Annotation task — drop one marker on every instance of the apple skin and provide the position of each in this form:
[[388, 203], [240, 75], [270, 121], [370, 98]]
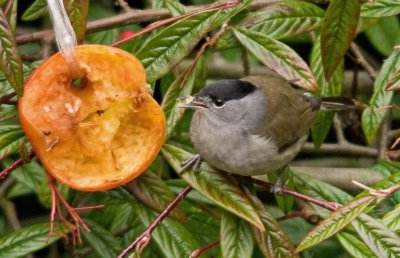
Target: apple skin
[[100, 134]]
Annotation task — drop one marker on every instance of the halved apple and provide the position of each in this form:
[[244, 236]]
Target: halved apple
[[98, 134]]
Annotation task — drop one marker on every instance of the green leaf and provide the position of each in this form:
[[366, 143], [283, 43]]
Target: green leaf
[[35, 11], [12, 16], [354, 246], [174, 7], [333, 87], [10, 59], [31, 175], [285, 19], [392, 219], [337, 31], [102, 241], [278, 57], [170, 105], [173, 239], [7, 112], [172, 44], [150, 189], [394, 81], [381, 35], [380, 8], [11, 138], [382, 241], [29, 239], [216, 186], [236, 238], [273, 242], [227, 14], [335, 222], [78, 13], [372, 120]]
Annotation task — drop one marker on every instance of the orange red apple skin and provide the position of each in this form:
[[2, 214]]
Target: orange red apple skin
[[97, 135]]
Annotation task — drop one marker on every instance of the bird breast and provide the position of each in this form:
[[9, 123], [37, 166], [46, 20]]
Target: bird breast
[[232, 149]]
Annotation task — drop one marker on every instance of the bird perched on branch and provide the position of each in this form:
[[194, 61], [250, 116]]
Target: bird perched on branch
[[253, 125]]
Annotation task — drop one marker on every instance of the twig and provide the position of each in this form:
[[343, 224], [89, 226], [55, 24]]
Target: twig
[[199, 53], [378, 192], [201, 250], [342, 149], [327, 205], [142, 240], [341, 139], [124, 5], [246, 63], [5, 185], [158, 24], [135, 16], [8, 7], [10, 213], [7, 98], [14, 166], [383, 139], [362, 61]]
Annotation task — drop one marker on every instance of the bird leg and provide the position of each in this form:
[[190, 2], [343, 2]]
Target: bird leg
[[193, 162]]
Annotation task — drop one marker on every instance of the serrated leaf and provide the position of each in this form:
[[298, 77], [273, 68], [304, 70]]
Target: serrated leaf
[[10, 59], [371, 120], [175, 7], [392, 219], [150, 189], [285, 19], [11, 138], [394, 81], [12, 16], [170, 105], [333, 87], [337, 31], [278, 57], [227, 14], [335, 222], [273, 242], [380, 8], [386, 168], [382, 241], [101, 240], [236, 238], [31, 175], [35, 10], [7, 112], [172, 44], [29, 239], [381, 34], [173, 239], [77, 11], [214, 185], [354, 246]]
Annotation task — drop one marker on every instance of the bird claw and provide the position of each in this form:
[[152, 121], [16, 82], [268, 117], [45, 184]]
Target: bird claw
[[277, 188], [193, 162]]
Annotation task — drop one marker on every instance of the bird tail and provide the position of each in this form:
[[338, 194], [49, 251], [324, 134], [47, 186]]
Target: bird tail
[[337, 103]]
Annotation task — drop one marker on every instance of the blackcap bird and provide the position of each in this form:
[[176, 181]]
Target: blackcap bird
[[253, 125]]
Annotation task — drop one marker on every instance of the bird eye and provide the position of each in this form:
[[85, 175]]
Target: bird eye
[[219, 102]]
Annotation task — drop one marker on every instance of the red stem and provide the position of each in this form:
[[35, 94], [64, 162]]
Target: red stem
[[8, 7], [14, 166], [201, 250], [161, 23], [144, 238], [327, 205]]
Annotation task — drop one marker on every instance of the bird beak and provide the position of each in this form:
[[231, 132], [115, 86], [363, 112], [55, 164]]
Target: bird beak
[[190, 102]]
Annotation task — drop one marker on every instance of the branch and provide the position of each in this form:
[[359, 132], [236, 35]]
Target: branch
[[142, 240], [132, 17], [15, 165], [201, 250], [343, 149], [362, 61]]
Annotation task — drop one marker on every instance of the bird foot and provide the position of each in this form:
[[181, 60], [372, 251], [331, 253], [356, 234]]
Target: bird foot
[[277, 188], [193, 162]]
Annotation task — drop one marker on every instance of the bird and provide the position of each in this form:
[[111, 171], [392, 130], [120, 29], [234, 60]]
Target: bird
[[253, 125]]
